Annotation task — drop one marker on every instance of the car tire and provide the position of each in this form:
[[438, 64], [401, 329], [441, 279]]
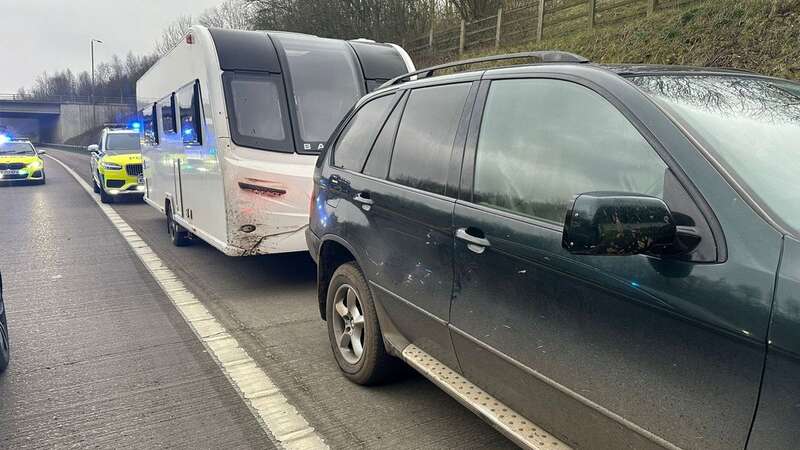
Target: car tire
[[95, 186], [5, 348], [105, 197], [179, 236], [349, 303], [43, 180]]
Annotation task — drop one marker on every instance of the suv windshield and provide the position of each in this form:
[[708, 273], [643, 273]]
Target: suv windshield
[[16, 148], [326, 82], [751, 125], [122, 142]]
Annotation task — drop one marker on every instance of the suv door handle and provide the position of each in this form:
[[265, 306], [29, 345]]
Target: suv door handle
[[476, 244], [365, 200]]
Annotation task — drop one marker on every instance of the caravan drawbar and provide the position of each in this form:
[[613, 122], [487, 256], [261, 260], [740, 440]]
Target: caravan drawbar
[[233, 122]]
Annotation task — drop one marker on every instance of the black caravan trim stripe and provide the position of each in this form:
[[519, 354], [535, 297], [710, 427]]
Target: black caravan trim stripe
[[378, 61], [245, 50]]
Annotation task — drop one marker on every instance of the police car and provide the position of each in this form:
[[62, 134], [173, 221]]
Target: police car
[[116, 164], [20, 162]]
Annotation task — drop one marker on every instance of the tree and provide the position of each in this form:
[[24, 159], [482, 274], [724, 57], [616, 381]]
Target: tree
[[83, 86], [173, 34], [476, 9], [383, 20], [235, 14]]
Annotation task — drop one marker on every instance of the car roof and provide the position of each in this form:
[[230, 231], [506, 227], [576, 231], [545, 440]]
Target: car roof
[[623, 70], [664, 69]]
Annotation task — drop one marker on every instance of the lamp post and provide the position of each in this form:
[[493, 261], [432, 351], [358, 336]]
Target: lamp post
[[91, 45]]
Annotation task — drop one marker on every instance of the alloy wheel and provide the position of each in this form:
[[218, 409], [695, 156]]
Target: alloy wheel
[[348, 323]]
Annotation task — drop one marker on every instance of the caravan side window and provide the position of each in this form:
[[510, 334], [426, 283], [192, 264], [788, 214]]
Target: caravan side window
[[167, 106], [258, 111], [150, 128], [188, 100]]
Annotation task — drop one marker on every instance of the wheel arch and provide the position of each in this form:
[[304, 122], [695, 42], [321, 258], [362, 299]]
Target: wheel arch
[[333, 252]]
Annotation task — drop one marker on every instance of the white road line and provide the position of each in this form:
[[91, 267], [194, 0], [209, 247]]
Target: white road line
[[270, 407]]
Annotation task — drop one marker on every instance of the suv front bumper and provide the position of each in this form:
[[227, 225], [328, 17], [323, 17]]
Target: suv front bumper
[[117, 182]]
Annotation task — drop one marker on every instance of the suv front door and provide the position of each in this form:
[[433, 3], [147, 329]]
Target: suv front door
[[607, 352]]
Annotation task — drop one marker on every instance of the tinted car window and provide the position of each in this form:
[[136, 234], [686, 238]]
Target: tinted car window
[[544, 141], [425, 136], [356, 140], [258, 117], [378, 160]]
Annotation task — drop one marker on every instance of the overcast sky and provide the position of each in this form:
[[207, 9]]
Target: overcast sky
[[39, 35]]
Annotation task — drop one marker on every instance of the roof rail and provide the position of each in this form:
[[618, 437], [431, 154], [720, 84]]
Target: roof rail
[[549, 56]]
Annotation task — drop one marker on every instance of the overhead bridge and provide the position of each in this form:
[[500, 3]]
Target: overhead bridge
[[57, 119]]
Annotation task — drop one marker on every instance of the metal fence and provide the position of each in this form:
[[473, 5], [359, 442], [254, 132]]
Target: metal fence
[[87, 99], [531, 20]]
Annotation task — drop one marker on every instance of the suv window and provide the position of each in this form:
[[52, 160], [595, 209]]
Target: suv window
[[356, 140], [544, 141], [425, 136], [378, 160]]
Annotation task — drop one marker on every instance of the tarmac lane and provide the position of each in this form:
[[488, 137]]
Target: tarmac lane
[[100, 358]]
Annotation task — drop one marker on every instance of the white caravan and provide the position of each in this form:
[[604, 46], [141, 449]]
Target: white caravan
[[232, 123]]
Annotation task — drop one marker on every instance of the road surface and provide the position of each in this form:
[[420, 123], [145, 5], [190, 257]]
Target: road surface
[[99, 352], [100, 358]]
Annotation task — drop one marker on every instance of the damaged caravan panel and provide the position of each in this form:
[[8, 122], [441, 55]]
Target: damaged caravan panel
[[233, 122]]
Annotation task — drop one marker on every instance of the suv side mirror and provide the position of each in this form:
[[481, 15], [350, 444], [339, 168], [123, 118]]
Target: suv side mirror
[[611, 223], [41, 152], [94, 148]]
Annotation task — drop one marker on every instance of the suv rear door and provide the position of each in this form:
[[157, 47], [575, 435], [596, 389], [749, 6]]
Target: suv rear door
[[615, 352], [396, 207]]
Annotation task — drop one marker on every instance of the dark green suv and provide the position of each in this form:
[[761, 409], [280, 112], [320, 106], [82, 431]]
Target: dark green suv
[[607, 253]]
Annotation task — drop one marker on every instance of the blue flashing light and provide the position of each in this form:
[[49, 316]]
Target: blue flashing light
[[187, 131], [136, 125], [635, 284], [4, 138]]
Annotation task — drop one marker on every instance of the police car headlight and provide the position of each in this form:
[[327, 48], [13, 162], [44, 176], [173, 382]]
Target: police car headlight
[[111, 166], [36, 165]]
